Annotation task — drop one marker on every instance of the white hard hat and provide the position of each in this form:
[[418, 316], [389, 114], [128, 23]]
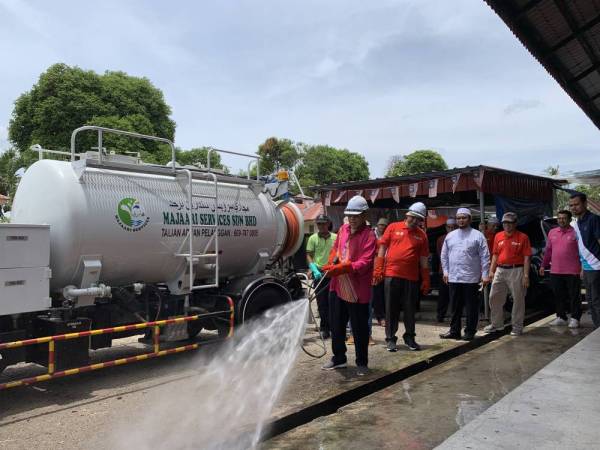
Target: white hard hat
[[357, 205], [418, 210]]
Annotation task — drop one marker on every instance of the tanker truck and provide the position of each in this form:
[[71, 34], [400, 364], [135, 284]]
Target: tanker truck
[[105, 240]]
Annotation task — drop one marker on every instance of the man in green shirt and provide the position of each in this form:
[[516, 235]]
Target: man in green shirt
[[317, 253]]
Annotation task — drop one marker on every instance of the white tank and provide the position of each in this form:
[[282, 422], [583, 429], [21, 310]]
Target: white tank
[[135, 223]]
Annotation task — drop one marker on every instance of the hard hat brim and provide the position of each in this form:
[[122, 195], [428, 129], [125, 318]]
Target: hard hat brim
[[414, 214]]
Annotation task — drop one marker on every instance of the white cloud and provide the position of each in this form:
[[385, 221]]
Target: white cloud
[[381, 78]]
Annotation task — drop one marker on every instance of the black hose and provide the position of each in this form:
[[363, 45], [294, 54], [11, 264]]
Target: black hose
[[312, 297]]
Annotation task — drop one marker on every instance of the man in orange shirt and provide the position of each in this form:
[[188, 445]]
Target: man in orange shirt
[[490, 232], [511, 257], [402, 257]]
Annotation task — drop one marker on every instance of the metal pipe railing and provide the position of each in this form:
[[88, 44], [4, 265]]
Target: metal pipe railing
[[102, 130], [156, 352], [40, 150], [229, 152]]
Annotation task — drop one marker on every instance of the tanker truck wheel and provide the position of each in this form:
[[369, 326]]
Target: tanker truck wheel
[[264, 297]]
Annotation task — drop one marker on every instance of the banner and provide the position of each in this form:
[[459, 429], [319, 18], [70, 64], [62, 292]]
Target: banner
[[433, 185], [412, 189], [339, 197], [328, 198], [373, 194], [396, 193], [478, 177], [455, 180]]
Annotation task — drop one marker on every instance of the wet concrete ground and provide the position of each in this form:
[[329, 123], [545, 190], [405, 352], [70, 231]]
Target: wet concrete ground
[[425, 409], [556, 408], [78, 411]]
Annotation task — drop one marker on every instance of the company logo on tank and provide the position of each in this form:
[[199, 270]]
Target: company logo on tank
[[131, 215]]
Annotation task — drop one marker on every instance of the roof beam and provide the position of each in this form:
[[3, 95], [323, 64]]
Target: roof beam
[[584, 74], [522, 12], [588, 26], [589, 51]]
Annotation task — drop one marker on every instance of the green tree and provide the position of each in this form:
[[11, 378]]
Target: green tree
[[199, 155], [65, 98], [552, 171], [11, 161], [593, 192], [322, 164], [275, 152], [418, 161]]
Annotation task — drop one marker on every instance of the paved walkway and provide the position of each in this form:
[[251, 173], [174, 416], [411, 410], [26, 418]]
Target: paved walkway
[[424, 410], [558, 407]]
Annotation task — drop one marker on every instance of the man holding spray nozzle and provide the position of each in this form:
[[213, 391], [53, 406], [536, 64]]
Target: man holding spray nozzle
[[350, 268], [318, 248]]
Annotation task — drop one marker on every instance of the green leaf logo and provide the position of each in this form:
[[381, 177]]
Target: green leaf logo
[[131, 215], [125, 210]]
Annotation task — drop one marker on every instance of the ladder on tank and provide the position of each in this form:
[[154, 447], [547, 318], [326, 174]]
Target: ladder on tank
[[191, 257], [195, 258]]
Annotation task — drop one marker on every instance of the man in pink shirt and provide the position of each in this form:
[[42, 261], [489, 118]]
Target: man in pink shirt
[[350, 268], [562, 256]]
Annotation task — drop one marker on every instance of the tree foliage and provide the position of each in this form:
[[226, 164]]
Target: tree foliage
[[418, 161], [65, 98], [322, 164], [199, 156], [275, 152], [312, 164], [593, 192]]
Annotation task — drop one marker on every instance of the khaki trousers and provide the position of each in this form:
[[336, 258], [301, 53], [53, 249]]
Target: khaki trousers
[[507, 281]]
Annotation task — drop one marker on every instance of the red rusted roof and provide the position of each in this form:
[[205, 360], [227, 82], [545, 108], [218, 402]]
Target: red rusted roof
[[310, 210]]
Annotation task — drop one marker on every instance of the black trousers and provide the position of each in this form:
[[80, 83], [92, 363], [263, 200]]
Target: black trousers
[[400, 295], [358, 313], [323, 303], [378, 296], [567, 295], [443, 301], [591, 279], [464, 295]]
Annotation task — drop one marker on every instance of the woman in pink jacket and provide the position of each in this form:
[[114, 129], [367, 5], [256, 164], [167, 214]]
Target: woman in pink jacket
[[351, 269]]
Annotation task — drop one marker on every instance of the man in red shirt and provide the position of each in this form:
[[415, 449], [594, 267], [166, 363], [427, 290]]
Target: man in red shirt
[[511, 258], [350, 267], [562, 257], [402, 257]]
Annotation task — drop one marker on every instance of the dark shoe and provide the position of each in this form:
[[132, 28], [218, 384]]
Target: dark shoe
[[325, 334], [468, 337], [412, 344], [331, 366], [391, 346], [361, 371], [450, 335]]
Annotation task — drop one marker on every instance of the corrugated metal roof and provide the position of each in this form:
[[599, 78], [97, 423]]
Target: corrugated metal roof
[[428, 176], [564, 36]]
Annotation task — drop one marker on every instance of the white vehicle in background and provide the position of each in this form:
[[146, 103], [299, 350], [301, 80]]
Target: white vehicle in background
[[104, 241]]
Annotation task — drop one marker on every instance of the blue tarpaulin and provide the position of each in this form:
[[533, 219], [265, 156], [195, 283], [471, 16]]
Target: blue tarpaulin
[[526, 210]]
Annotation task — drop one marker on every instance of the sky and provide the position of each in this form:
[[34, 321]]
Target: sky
[[379, 78]]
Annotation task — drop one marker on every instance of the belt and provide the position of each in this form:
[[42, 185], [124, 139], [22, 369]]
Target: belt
[[509, 266]]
